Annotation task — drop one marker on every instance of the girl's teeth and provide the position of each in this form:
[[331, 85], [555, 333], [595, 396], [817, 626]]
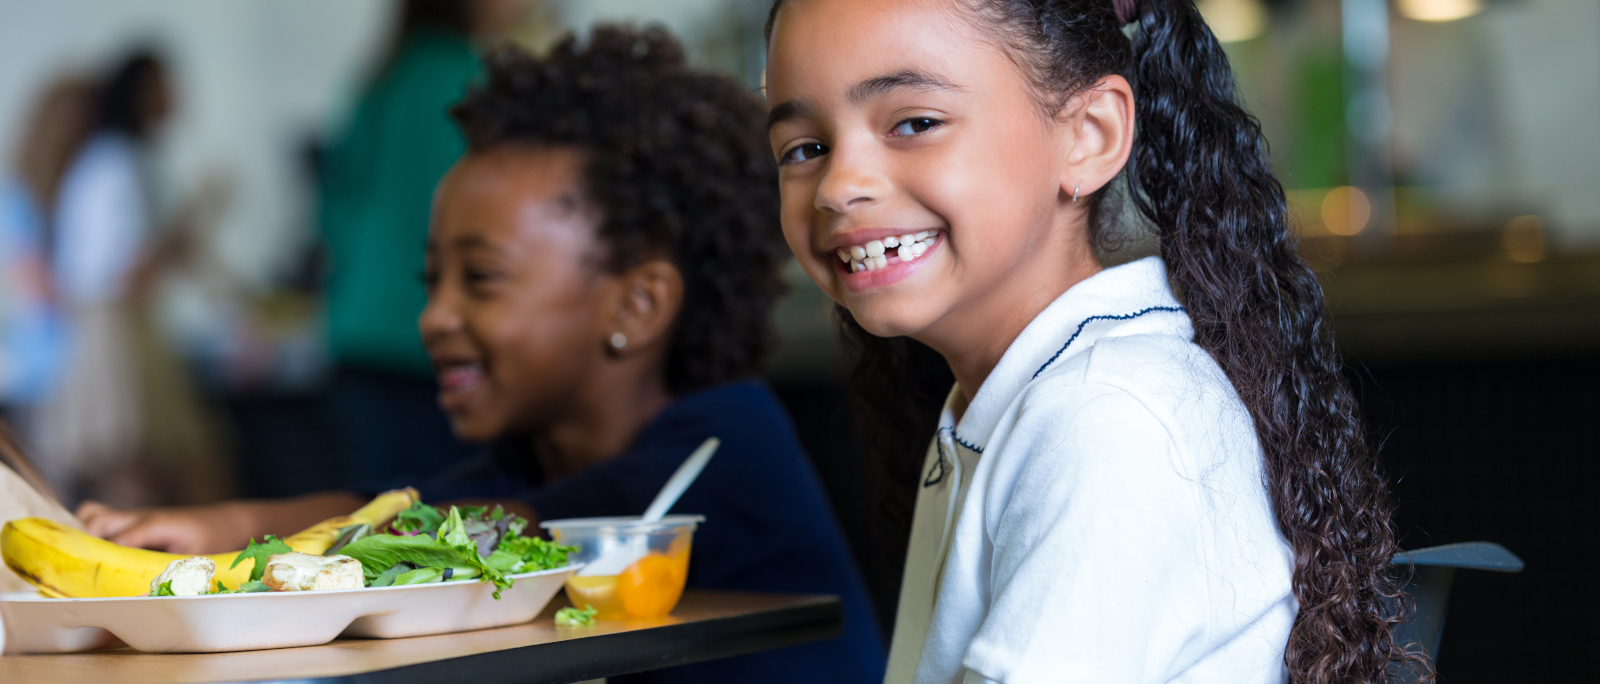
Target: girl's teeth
[[875, 253]]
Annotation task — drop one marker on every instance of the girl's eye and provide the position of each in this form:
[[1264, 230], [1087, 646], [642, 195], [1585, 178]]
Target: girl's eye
[[914, 126], [430, 278], [479, 275], [803, 153]]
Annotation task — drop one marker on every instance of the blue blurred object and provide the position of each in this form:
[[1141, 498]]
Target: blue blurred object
[[32, 335]]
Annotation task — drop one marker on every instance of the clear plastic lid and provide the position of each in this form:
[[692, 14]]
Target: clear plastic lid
[[623, 524]]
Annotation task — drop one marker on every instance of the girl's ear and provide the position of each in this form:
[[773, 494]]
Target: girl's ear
[[1101, 121], [644, 303]]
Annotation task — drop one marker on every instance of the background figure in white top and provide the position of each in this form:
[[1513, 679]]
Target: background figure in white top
[[123, 397], [1122, 488]]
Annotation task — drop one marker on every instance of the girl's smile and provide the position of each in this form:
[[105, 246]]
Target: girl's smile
[[884, 261]]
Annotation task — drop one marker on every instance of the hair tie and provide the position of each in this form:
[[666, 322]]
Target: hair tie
[[1126, 12]]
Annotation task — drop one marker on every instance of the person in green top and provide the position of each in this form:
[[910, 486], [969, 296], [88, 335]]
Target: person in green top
[[377, 182]]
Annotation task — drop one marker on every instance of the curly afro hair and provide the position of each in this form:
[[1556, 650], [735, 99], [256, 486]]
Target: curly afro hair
[[678, 163]]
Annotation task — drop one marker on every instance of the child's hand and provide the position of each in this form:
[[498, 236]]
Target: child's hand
[[192, 530]]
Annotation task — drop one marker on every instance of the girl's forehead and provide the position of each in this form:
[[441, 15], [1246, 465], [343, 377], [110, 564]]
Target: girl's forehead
[[835, 45], [503, 199]]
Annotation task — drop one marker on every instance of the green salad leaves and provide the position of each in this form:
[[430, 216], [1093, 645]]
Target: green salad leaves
[[465, 543], [576, 617], [259, 553]]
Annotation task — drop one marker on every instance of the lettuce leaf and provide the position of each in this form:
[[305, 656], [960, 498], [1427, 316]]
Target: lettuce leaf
[[259, 553], [420, 518], [250, 587], [420, 576], [576, 617], [386, 578], [380, 552], [164, 590], [535, 552]]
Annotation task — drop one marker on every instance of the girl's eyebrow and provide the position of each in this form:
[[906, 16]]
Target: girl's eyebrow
[[914, 79], [867, 89]]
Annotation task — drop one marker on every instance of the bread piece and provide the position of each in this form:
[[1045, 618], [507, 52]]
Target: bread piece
[[189, 576], [295, 571]]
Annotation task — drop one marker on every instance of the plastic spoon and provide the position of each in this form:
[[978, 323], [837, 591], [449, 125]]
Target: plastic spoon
[[680, 480], [614, 559]]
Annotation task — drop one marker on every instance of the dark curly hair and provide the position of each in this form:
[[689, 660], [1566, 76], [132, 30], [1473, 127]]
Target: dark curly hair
[[678, 163], [1200, 172]]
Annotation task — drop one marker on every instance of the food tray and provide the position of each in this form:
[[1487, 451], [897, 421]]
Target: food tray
[[247, 622]]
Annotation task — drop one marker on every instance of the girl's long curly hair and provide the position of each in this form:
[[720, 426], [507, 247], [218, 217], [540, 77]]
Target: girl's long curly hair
[[1200, 172]]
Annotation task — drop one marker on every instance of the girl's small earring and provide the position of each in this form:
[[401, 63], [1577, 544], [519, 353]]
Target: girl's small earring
[[1075, 192], [618, 341]]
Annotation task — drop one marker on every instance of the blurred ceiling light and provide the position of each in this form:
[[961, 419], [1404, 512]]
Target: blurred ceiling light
[[1346, 210], [1523, 239], [1234, 20], [1439, 10]]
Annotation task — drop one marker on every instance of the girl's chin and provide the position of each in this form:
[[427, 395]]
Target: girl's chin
[[474, 427], [886, 316]]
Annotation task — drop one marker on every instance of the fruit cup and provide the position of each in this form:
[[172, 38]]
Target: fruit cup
[[632, 569]]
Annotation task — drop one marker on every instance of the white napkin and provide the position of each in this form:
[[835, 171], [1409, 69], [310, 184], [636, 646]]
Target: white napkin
[[18, 500]]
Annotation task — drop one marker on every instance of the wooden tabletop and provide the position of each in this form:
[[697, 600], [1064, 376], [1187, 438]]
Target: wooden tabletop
[[706, 625]]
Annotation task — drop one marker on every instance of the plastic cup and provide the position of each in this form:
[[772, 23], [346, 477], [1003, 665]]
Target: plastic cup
[[632, 569]]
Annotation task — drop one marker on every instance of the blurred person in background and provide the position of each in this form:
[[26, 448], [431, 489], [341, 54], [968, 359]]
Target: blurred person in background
[[124, 425], [377, 182], [32, 335]]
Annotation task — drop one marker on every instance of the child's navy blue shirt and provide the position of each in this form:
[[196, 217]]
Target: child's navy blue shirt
[[768, 526]]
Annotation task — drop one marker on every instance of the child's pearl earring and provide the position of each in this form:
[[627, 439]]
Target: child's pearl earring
[[1075, 192], [618, 341]]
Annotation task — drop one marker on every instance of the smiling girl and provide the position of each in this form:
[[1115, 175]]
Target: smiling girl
[[1147, 473]]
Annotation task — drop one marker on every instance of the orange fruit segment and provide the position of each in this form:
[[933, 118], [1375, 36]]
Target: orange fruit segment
[[651, 586]]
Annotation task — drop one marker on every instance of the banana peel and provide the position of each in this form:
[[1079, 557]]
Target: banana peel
[[67, 563]]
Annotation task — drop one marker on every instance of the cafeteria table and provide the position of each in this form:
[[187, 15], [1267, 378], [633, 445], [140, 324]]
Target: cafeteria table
[[705, 625]]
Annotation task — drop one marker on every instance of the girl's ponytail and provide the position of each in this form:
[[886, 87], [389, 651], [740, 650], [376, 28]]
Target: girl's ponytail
[[1200, 172]]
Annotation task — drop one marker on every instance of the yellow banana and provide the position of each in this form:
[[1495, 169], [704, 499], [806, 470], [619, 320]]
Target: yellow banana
[[67, 563]]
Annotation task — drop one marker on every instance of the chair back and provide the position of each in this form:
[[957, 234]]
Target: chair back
[[1432, 571]]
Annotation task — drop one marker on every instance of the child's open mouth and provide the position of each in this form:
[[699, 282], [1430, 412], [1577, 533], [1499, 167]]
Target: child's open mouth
[[876, 263], [457, 379], [876, 254]]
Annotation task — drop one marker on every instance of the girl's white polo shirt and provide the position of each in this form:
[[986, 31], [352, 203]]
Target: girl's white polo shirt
[[1098, 513]]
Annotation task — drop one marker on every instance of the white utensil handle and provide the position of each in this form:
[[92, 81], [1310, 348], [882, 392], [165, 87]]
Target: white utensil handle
[[681, 480]]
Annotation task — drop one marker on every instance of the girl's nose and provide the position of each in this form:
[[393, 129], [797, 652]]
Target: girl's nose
[[851, 182], [440, 316]]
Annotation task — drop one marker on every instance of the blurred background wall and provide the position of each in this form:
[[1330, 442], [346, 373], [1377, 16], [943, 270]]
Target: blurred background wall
[[1441, 157]]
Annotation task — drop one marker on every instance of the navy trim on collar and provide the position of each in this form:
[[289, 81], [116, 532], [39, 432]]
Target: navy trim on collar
[[1101, 317]]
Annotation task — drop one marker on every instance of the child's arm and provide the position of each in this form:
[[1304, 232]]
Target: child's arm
[[213, 528]]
